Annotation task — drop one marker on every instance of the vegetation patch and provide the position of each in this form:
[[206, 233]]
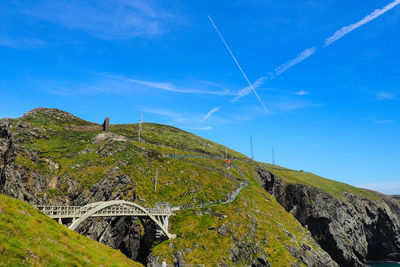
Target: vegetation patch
[[334, 188], [30, 238]]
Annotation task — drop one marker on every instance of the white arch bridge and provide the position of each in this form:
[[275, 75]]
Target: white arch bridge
[[115, 208]]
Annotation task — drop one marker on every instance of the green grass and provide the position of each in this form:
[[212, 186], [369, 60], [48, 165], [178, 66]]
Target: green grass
[[79, 157], [30, 238], [173, 137], [186, 181], [334, 188], [254, 219]]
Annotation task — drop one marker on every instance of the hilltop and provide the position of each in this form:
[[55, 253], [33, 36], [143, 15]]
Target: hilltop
[[278, 216]]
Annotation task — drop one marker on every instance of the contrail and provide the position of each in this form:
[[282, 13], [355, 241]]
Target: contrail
[[245, 91], [300, 57], [209, 114], [345, 30], [277, 71], [237, 63]]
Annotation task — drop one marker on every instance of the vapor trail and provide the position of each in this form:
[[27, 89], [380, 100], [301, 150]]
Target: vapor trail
[[346, 29], [277, 71], [300, 57], [237, 63], [209, 114]]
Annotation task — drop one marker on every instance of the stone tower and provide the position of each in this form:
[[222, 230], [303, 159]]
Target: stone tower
[[106, 124]]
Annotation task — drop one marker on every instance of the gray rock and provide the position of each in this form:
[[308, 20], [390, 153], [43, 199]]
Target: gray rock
[[351, 230]]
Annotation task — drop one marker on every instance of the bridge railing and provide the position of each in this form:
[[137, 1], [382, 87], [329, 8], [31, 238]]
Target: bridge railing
[[77, 211]]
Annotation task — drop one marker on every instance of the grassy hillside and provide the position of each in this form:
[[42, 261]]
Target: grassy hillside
[[210, 235], [191, 171], [89, 157], [332, 187], [29, 238]]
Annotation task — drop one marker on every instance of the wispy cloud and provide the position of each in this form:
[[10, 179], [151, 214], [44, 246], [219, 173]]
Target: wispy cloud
[[185, 121], [385, 96], [21, 42], [247, 90], [347, 29], [290, 104], [277, 71], [119, 19], [310, 51], [301, 92], [384, 187], [237, 63], [168, 86], [161, 112], [103, 83], [383, 121], [173, 117], [209, 114], [206, 128], [300, 57]]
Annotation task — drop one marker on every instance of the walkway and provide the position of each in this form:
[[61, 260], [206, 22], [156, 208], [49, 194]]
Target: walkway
[[115, 208]]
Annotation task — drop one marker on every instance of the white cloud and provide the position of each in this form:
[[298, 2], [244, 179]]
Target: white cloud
[[209, 114], [302, 92], [383, 121], [294, 104], [119, 19], [167, 86], [174, 117], [247, 90], [385, 96], [277, 71], [162, 112], [20, 42], [300, 57], [310, 51], [206, 128], [384, 187], [347, 29], [237, 64]]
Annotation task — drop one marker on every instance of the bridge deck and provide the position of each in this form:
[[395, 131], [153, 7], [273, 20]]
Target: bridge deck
[[117, 210], [159, 214]]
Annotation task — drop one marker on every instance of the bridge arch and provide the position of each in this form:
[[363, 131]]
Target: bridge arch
[[160, 220]]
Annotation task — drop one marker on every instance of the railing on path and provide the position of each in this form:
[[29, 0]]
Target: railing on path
[[115, 208]]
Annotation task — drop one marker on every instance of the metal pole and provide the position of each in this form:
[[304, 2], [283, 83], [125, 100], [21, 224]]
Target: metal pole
[[251, 147], [273, 156], [155, 184], [226, 152], [140, 124]]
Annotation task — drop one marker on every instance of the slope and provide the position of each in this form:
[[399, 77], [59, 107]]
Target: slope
[[352, 224], [52, 157], [29, 238]]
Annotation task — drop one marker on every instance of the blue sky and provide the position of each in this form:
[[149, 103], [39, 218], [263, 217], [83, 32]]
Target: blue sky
[[327, 71]]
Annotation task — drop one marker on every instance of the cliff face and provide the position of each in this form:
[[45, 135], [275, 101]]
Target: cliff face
[[36, 188], [351, 229], [51, 157]]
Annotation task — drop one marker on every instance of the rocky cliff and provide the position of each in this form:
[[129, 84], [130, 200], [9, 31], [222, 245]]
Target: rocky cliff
[[52, 157], [351, 227], [27, 175]]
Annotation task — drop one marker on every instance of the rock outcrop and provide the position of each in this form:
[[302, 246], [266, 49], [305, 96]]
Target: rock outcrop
[[123, 233], [352, 230]]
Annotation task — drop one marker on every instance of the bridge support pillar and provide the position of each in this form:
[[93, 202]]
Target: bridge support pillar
[[60, 220]]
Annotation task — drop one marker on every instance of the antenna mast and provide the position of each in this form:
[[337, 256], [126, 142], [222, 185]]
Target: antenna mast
[[155, 184], [273, 156], [226, 152], [140, 124], [251, 147]]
